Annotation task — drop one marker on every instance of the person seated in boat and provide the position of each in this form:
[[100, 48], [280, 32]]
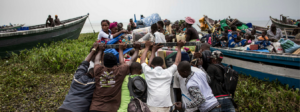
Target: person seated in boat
[[177, 27], [105, 34], [263, 36], [249, 39], [132, 24], [142, 17], [242, 33], [216, 38], [191, 32], [168, 26], [207, 35], [232, 32], [120, 27], [109, 77], [114, 29], [153, 36], [57, 21], [129, 29], [235, 41], [274, 33], [80, 94], [49, 22]]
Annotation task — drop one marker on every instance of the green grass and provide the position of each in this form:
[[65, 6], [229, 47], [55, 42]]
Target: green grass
[[39, 79]]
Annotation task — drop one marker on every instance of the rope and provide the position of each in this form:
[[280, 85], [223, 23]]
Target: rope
[[91, 24], [267, 23]]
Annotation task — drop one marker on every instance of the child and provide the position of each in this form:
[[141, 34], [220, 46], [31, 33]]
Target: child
[[263, 36], [135, 70]]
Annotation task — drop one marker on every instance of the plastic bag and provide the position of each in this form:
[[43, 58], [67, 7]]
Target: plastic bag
[[278, 47], [139, 33], [288, 45], [242, 27]]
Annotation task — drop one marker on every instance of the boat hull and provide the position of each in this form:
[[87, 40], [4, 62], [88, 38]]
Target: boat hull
[[270, 66], [20, 42], [281, 25]]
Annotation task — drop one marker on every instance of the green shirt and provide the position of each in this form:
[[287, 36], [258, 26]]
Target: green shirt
[[125, 94]]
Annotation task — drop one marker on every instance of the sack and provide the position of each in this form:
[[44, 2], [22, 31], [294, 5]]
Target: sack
[[242, 27], [288, 45], [148, 21], [278, 47], [139, 33], [231, 78], [137, 105]]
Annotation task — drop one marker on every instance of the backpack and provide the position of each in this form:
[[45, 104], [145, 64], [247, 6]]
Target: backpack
[[230, 78], [138, 92]]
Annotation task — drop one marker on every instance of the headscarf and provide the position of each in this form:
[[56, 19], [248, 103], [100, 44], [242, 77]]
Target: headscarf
[[112, 25], [189, 20]]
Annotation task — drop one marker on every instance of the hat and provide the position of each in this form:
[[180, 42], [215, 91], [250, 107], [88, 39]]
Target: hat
[[55, 15], [189, 20], [217, 55], [112, 25], [110, 60]]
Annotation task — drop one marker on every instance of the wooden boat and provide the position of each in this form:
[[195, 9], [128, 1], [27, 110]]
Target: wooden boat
[[27, 39], [281, 66], [11, 27], [282, 23], [259, 29]]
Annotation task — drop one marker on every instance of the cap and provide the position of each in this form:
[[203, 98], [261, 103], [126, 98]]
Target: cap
[[217, 55]]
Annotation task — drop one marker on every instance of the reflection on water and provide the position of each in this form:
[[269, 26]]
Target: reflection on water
[[97, 27]]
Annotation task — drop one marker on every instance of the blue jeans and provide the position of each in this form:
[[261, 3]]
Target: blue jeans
[[226, 105]]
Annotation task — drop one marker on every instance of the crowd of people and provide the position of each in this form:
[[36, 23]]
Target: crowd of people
[[102, 82]]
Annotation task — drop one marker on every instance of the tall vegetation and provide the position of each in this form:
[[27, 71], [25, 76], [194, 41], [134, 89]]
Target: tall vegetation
[[38, 80]]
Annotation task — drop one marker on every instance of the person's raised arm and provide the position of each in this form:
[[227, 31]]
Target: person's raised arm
[[101, 48], [118, 33], [154, 49], [148, 44], [178, 56], [90, 55], [137, 47], [122, 46]]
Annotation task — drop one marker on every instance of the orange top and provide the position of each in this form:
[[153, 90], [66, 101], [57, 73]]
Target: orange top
[[261, 38]]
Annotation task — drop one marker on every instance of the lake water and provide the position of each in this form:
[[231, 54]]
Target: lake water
[[88, 28]]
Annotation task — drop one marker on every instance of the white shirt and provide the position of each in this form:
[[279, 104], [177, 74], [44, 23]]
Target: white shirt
[[158, 85], [179, 82], [102, 34], [160, 37], [199, 80]]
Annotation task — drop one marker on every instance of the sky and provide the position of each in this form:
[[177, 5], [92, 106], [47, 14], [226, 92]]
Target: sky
[[33, 12]]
